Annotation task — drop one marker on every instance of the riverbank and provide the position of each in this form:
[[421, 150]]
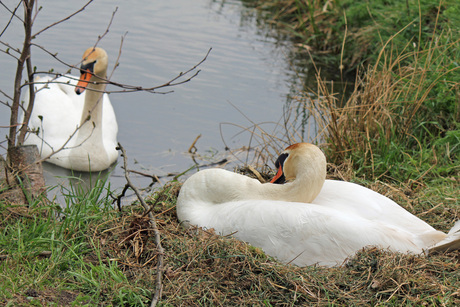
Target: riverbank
[[402, 121], [92, 254], [397, 133]]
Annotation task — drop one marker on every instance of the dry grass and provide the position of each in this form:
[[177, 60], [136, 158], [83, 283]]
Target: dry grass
[[203, 268], [383, 122]]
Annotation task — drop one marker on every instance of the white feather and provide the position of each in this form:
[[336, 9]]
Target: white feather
[[341, 220], [57, 113]]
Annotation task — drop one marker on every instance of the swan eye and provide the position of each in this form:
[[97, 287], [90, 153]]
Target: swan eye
[[279, 178], [280, 161], [84, 68]]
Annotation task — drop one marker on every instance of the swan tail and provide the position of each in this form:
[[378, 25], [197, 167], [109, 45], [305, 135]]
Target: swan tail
[[450, 242]]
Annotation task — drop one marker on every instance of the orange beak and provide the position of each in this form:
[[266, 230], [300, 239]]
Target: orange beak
[[83, 82], [278, 174]]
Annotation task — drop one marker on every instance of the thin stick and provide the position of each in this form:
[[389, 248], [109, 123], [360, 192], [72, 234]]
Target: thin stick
[[126, 88], [62, 20], [13, 14], [158, 284], [193, 144]]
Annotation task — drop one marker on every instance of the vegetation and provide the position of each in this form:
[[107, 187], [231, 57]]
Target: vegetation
[[88, 253], [357, 30], [401, 121], [398, 133]]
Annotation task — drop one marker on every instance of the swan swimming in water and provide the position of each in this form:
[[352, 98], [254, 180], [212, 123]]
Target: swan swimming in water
[[307, 220], [62, 104]]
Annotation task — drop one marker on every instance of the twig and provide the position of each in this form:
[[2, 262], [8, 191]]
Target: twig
[[158, 284], [117, 61], [256, 173], [173, 82], [100, 37], [126, 88], [62, 20], [193, 144], [119, 197], [154, 177], [13, 14], [55, 56], [64, 146]]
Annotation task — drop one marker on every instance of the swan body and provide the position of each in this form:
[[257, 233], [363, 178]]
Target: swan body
[[63, 109], [308, 220]]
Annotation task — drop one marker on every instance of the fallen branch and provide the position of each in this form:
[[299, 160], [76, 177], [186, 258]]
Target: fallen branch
[[158, 285], [192, 147], [154, 177]]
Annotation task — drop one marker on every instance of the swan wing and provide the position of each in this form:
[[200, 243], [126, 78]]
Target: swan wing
[[57, 113], [54, 116], [303, 234], [363, 202], [109, 127]]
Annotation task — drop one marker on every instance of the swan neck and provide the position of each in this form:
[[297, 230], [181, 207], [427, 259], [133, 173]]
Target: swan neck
[[302, 189], [91, 119], [92, 109]]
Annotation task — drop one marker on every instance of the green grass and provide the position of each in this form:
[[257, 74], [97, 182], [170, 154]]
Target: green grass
[[402, 121], [398, 133], [91, 254], [49, 254], [364, 26]]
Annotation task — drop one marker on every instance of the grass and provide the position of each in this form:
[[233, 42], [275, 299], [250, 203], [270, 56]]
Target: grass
[[397, 133], [91, 254], [49, 254], [401, 121], [356, 29]]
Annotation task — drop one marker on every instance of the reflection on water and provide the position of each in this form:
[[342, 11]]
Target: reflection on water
[[244, 82], [57, 177]]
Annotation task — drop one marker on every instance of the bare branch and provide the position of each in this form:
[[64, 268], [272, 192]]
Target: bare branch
[[54, 55], [154, 177], [8, 48], [62, 20], [100, 37], [64, 146], [126, 88], [28, 7], [117, 61], [172, 82], [13, 14], [157, 239], [6, 95]]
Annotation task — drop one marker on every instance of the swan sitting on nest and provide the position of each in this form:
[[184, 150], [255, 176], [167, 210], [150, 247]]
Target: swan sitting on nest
[[302, 218]]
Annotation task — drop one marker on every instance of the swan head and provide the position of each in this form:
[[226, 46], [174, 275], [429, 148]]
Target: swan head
[[301, 161], [94, 64]]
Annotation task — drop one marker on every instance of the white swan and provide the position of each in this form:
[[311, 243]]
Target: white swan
[[61, 106], [308, 220]]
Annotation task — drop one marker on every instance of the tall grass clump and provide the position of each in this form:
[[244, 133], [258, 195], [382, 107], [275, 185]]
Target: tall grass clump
[[348, 32], [402, 119]]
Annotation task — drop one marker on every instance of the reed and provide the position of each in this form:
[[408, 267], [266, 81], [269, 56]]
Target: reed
[[394, 115], [348, 32], [400, 121]]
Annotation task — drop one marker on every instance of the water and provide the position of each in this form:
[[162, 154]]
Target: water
[[246, 77]]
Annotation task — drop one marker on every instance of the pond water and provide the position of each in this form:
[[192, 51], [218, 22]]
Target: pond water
[[246, 77]]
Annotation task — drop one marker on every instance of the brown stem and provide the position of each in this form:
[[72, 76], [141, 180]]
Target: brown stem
[[64, 19], [28, 7], [28, 112], [157, 239]]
